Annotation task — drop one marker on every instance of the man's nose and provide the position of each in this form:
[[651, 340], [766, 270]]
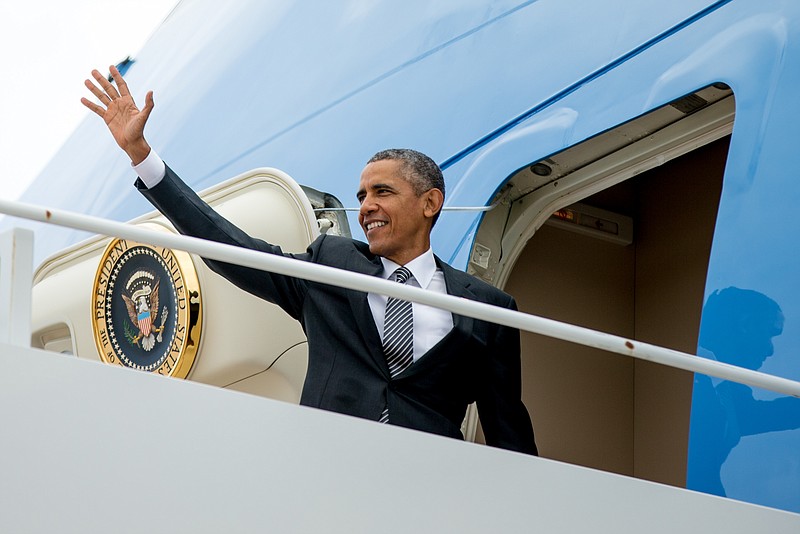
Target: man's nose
[[367, 206]]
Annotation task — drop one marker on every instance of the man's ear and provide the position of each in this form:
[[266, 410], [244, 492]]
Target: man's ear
[[433, 202]]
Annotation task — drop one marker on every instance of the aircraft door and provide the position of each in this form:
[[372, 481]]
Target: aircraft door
[[166, 312]]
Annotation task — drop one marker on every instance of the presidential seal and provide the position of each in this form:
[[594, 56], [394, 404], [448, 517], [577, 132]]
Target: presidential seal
[[147, 311]]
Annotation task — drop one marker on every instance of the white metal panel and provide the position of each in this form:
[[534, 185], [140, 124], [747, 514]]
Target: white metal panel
[[94, 448], [16, 275]]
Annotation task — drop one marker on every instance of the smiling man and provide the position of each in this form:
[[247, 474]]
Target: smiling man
[[397, 183], [381, 359]]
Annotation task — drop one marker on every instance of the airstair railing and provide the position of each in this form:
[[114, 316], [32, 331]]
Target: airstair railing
[[361, 282], [477, 209]]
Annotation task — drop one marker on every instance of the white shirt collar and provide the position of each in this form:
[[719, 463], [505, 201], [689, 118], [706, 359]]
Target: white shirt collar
[[422, 268]]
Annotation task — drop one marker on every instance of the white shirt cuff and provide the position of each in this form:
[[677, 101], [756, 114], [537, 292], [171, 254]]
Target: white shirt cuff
[[151, 170]]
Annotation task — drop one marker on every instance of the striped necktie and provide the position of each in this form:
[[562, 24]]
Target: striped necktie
[[398, 333]]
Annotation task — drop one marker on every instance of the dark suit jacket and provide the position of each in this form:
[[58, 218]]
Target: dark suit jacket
[[347, 370]]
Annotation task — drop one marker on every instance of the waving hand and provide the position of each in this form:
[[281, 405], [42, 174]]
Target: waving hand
[[125, 121]]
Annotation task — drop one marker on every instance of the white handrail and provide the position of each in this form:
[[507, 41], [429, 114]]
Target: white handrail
[[480, 209], [361, 282]]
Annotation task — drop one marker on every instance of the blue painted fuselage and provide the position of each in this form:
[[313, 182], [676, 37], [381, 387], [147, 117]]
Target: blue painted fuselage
[[486, 88]]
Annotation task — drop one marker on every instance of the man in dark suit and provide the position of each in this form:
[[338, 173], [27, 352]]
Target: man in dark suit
[[412, 366]]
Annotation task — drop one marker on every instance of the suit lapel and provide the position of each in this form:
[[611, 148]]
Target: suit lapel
[[359, 305], [457, 284]]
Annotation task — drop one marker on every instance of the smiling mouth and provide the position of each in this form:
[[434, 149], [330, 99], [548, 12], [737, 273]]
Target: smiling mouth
[[373, 225]]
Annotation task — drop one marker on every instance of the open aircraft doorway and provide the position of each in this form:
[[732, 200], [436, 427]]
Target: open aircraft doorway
[[614, 234]]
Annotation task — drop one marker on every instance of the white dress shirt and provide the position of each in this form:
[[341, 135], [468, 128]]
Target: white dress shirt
[[430, 324], [151, 170]]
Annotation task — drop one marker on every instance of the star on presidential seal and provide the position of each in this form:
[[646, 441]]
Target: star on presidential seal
[[146, 308]]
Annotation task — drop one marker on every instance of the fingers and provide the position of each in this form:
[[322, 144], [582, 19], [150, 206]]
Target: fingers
[[94, 107], [148, 105], [109, 95], [105, 84], [120, 81], [101, 96]]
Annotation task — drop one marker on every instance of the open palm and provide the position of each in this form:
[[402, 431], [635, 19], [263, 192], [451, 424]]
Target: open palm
[[124, 119]]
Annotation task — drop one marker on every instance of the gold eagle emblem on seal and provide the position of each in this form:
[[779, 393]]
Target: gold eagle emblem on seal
[[147, 308]]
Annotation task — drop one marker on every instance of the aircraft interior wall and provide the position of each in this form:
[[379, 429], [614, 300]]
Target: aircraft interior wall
[[604, 410]]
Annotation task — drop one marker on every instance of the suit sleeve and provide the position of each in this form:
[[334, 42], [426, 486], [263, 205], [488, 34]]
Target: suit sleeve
[[192, 216], [505, 420]]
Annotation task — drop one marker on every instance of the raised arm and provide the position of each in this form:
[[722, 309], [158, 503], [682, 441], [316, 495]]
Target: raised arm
[[125, 121]]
